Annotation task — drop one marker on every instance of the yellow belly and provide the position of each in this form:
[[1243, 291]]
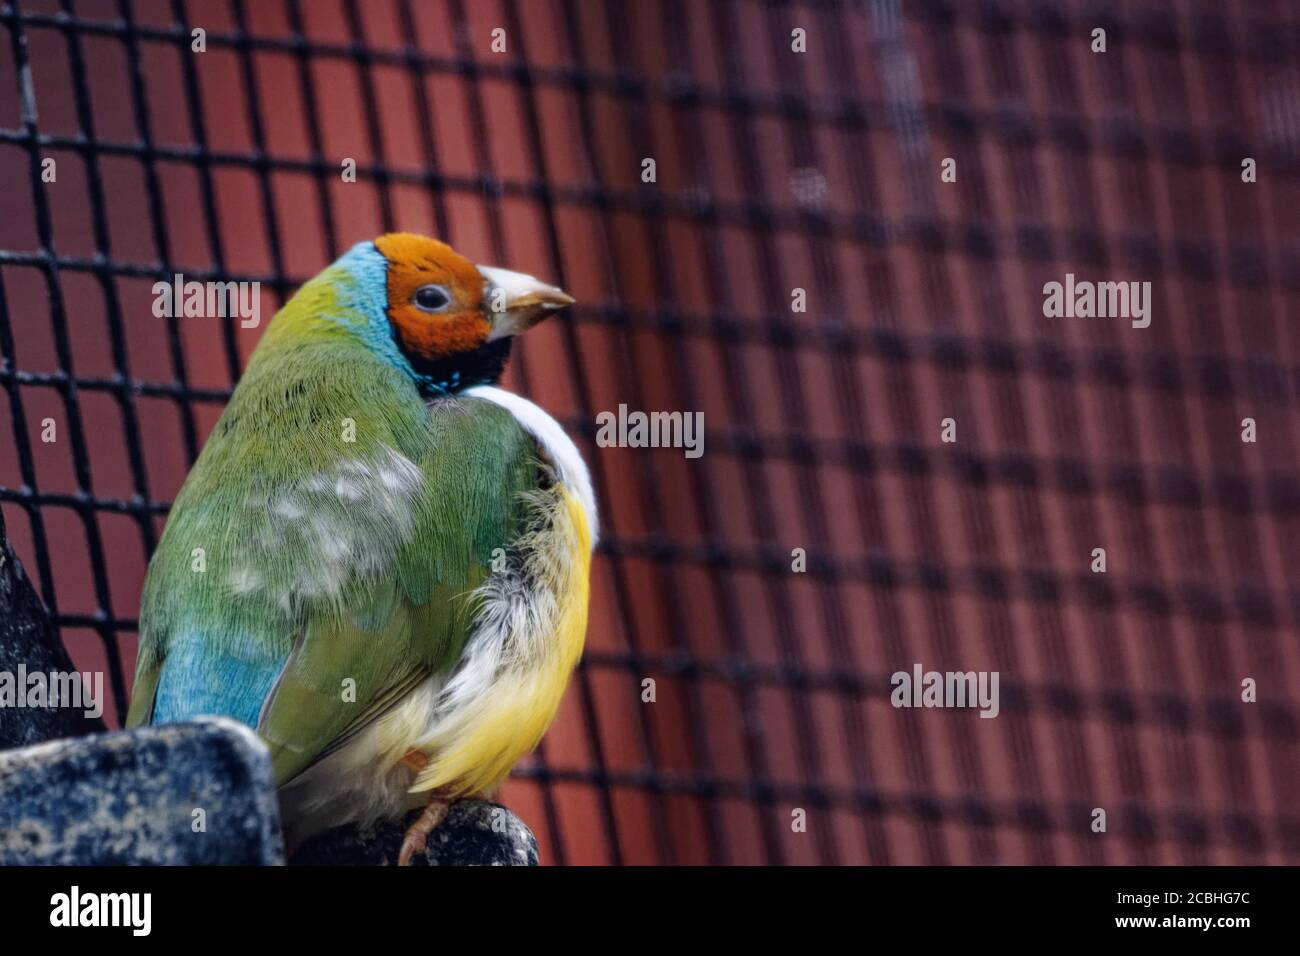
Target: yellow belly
[[472, 750]]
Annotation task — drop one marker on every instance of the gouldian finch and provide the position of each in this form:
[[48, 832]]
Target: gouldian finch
[[380, 559]]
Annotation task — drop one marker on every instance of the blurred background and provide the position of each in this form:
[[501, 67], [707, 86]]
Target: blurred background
[[775, 171]]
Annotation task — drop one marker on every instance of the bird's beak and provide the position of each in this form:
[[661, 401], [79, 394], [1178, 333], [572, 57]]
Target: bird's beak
[[516, 302]]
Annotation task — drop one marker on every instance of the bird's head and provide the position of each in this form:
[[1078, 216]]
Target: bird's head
[[449, 320]]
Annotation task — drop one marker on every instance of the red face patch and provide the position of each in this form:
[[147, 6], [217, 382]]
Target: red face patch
[[426, 327]]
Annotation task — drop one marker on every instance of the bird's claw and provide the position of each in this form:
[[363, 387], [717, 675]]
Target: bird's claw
[[417, 834]]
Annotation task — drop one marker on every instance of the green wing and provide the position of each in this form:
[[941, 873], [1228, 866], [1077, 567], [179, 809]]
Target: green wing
[[349, 668]]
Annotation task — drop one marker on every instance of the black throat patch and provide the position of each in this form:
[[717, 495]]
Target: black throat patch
[[446, 376]]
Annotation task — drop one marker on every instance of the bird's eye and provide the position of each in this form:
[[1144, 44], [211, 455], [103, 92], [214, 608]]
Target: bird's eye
[[431, 298]]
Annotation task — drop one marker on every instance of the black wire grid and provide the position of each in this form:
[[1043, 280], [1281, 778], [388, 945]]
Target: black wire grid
[[892, 87]]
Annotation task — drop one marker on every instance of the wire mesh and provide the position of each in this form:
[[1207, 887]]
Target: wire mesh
[[775, 171]]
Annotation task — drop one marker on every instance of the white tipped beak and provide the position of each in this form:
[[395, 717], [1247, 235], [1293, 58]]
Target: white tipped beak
[[516, 302]]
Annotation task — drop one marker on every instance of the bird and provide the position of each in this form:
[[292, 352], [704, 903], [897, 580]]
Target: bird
[[380, 559]]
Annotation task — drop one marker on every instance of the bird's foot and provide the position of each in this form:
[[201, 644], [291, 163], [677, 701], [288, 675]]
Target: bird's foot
[[417, 834]]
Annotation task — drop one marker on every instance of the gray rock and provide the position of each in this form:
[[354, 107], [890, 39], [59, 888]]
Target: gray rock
[[137, 797], [30, 642], [473, 834]]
